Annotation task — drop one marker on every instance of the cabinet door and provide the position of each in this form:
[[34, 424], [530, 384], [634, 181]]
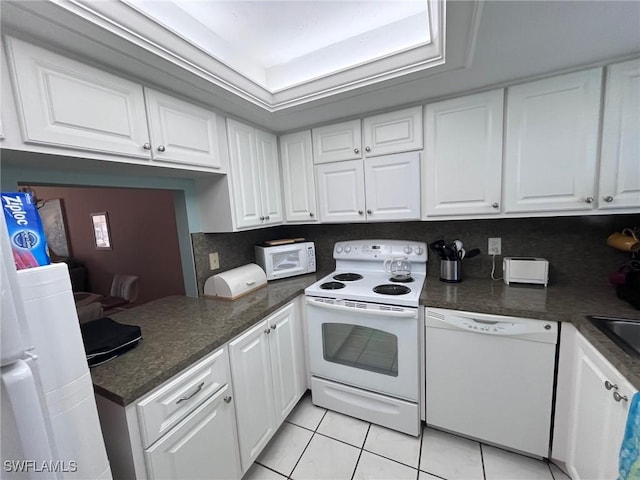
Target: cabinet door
[[182, 132], [245, 174], [253, 390], [341, 191], [65, 103], [298, 179], [269, 178], [202, 446], [597, 420], [463, 165], [287, 360], [551, 144], [337, 142], [393, 132], [619, 164], [392, 187]]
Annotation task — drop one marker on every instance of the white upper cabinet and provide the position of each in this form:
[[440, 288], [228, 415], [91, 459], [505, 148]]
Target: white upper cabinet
[[69, 105], [463, 155], [182, 132], [298, 178], [341, 191], [393, 132], [65, 103], [269, 181], [383, 188], [255, 176], [552, 143], [392, 187], [620, 157], [341, 141]]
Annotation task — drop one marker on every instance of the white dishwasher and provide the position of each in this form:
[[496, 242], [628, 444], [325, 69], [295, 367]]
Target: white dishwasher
[[491, 377]]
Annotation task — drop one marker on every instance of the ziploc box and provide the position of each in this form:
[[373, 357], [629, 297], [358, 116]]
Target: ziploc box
[[28, 241]]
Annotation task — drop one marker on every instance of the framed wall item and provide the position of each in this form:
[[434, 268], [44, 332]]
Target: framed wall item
[[101, 230], [55, 227]]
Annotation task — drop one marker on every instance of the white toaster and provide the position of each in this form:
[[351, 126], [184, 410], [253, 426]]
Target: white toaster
[[525, 270]]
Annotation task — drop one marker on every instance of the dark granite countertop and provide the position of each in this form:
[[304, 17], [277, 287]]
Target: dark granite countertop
[[178, 330]]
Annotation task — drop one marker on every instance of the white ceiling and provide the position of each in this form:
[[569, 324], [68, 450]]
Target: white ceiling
[[258, 38], [513, 41]]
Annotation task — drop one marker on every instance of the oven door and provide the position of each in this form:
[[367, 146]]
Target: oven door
[[371, 346]]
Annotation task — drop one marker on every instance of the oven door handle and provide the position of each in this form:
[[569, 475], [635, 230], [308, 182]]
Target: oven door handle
[[386, 313]]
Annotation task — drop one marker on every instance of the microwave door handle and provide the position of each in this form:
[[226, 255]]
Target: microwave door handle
[[385, 313]]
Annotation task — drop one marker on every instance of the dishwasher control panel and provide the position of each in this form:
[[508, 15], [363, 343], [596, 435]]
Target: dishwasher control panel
[[488, 324]]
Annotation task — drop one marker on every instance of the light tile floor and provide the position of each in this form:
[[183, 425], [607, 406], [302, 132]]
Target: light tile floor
[[315, 443]]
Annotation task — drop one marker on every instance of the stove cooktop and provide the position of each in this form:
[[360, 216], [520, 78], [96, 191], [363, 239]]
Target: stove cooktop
[[360, 273], [371, 287]]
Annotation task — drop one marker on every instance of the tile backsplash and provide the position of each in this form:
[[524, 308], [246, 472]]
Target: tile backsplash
[[575, 246]]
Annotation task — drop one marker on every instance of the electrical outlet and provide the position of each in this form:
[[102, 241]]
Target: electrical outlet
[[495, 246], [214, 261]]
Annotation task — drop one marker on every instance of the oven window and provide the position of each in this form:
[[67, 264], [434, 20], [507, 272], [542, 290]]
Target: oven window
[[360, 347], [286, 261]]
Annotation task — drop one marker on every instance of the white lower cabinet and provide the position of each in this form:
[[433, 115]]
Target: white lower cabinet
[[198, 448], [591, 410], [267, 366], [183, 429]]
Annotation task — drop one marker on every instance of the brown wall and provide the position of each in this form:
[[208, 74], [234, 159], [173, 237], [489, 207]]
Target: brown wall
[[143, 236]]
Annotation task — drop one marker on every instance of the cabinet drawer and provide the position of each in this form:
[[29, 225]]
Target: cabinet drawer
[[162, 409], [203, 445]]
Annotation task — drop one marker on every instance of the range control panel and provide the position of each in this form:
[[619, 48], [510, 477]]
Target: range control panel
[[380, 250]]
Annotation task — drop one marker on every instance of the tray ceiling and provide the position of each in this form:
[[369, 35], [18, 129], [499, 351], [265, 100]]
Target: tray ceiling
[[484, 44]]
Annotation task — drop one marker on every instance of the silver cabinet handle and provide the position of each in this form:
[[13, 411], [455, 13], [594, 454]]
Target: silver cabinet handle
[[227, 399], [184, 399], [369, 212], [262, 218], [147, 146], [274, 326], [608, 385], [360, 212], [311, 214], [617, 397], [267, 331], [367, 149], [588, 200], [608, 199], [356, 150], [495, 204], [267, 217], [161, 148]]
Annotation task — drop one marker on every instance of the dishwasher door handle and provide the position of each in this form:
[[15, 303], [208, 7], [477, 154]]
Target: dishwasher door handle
[[363, 311]]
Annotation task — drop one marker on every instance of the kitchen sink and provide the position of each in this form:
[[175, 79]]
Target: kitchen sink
[[623, 331]]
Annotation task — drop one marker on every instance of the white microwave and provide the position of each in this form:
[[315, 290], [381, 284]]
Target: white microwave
[[283, 261]]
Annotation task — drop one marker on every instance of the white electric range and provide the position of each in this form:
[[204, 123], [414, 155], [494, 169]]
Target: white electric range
[[363, 333]]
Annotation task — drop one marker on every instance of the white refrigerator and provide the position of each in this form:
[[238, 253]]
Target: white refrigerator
[[49, 427]]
